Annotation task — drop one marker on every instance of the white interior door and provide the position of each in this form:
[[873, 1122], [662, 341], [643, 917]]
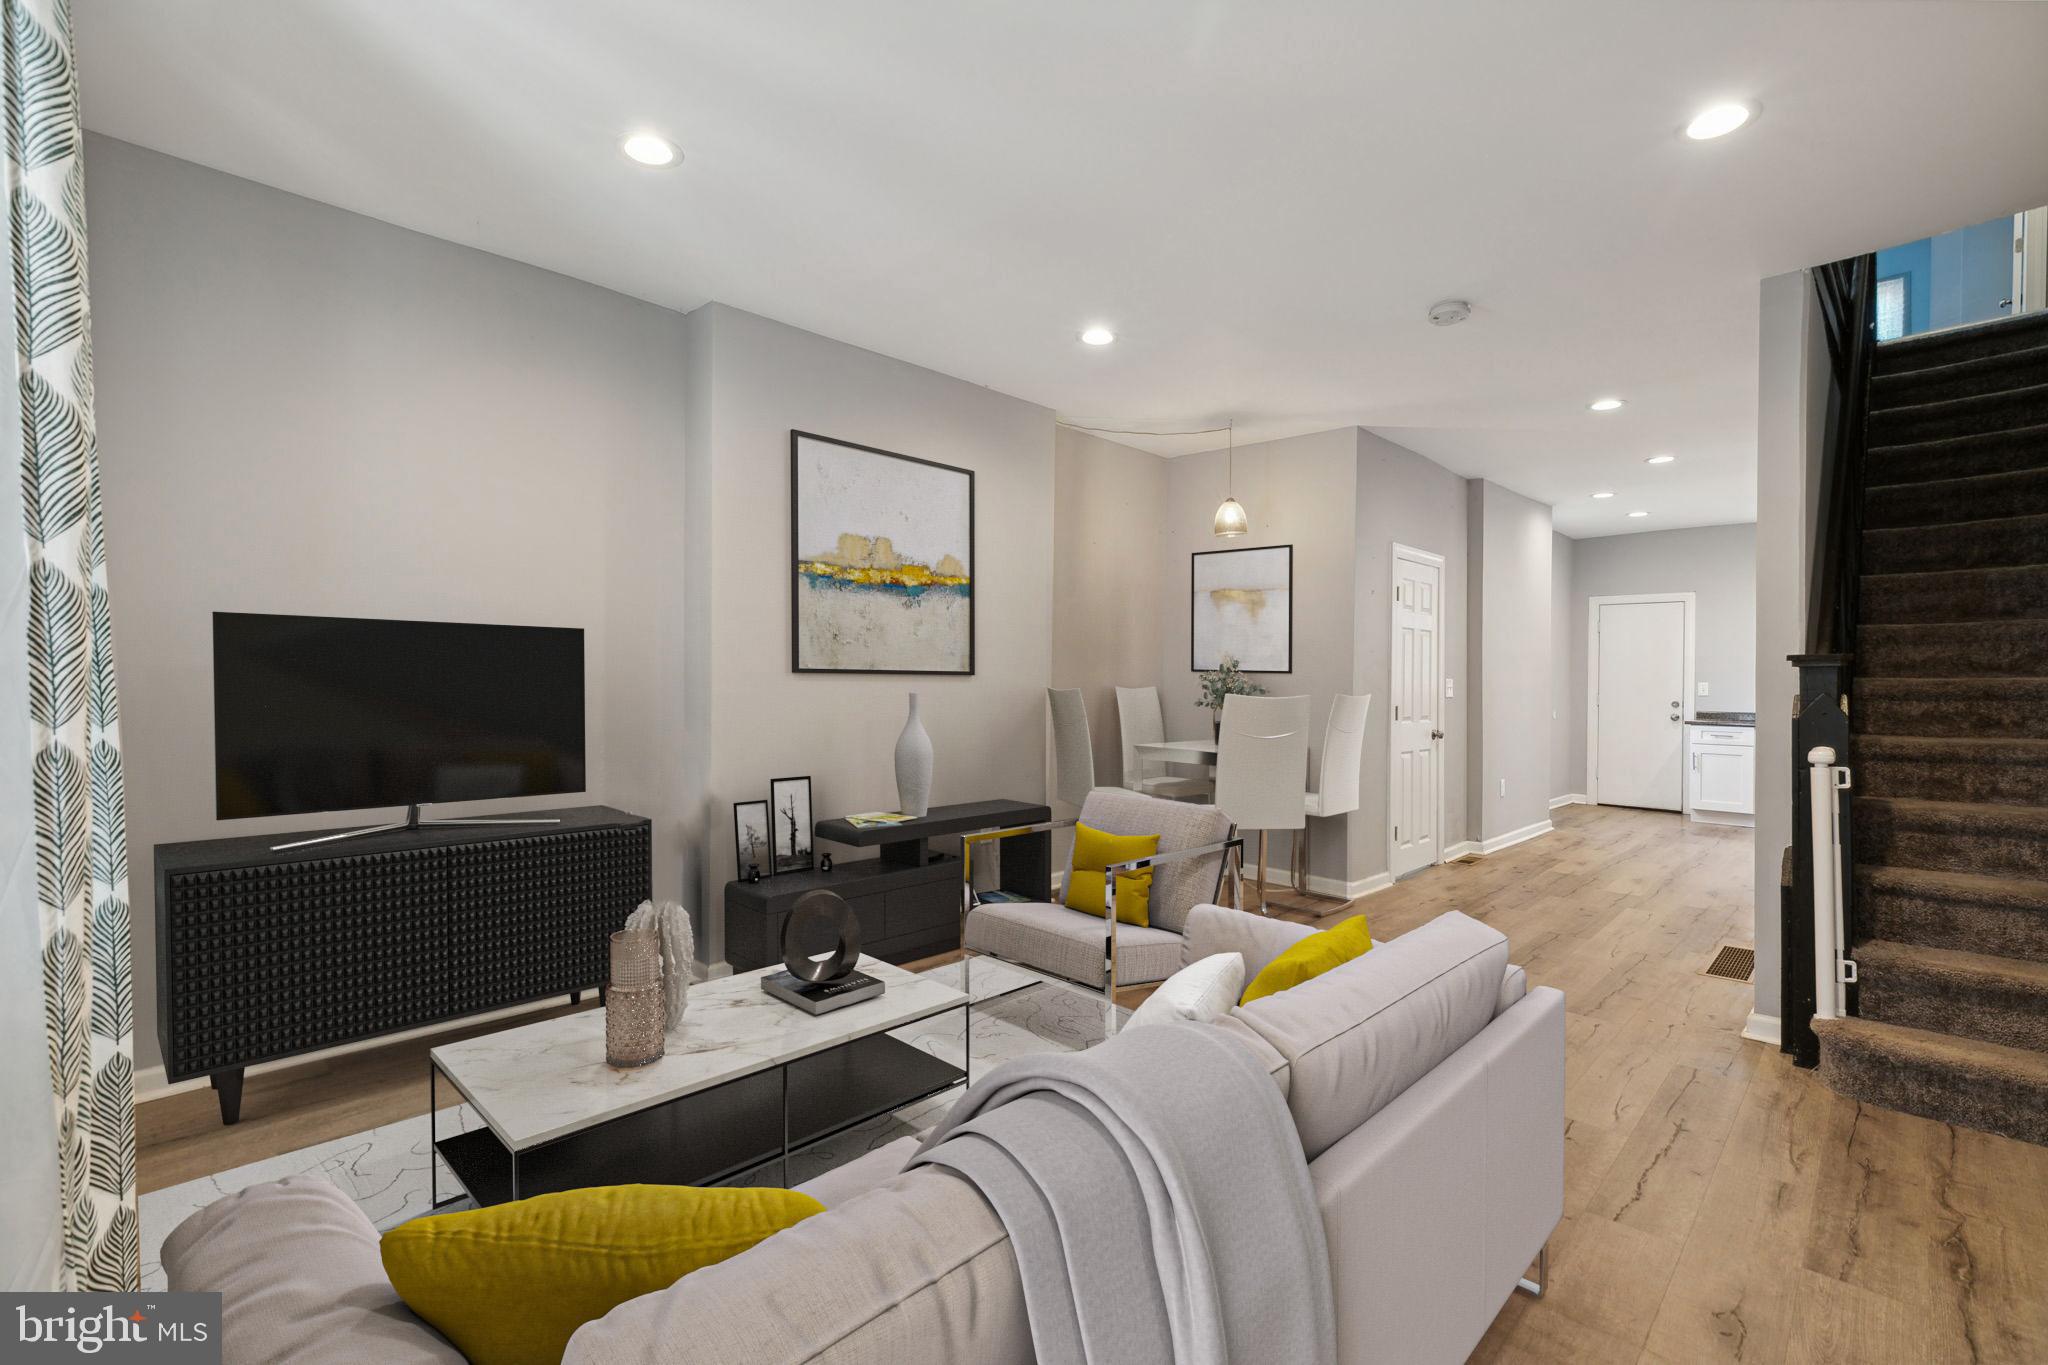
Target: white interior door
[[1415, 743], [1639, 707]]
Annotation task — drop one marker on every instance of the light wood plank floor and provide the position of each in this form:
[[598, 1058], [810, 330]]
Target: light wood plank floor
[[1720, 1204]]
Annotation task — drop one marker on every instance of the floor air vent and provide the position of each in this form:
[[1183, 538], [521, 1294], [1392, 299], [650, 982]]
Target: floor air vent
[[1732, 962]]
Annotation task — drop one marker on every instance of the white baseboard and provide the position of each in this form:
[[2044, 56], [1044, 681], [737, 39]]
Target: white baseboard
[[1719, 817], [1570, 799], [1460, 849], [1516, 836], [1351, 890], [1764, 1028]]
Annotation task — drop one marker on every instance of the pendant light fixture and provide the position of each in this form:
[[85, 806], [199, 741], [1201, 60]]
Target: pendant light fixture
[[1230, 518]]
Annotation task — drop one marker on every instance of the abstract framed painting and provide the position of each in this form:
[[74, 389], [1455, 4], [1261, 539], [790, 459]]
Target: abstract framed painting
[[883, 549], [1241, 603]]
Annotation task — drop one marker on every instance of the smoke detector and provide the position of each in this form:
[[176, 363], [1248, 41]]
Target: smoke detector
[[1449, 313]]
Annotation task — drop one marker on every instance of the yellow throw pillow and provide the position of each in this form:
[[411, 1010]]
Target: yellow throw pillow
[[509, 1284], [1310, 958], [1094, 851]]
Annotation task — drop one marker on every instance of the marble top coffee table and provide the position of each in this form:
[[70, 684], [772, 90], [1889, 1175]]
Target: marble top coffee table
[[745, 1080]]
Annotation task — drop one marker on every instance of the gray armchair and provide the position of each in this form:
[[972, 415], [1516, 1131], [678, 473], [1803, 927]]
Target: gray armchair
[[1196, 847]]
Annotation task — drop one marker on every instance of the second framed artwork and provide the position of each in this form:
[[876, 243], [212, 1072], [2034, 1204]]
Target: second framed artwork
[[789, 814], [750, 839], [883, 544], [1241, 605]]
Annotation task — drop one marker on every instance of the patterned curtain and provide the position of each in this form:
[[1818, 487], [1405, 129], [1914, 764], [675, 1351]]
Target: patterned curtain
[[74, 743]]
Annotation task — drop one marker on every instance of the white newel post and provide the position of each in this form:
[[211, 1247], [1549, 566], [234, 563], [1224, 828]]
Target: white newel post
[[1827, 887]]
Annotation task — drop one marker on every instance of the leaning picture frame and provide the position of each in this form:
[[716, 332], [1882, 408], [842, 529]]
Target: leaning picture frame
[[750, 838], [789, 813]]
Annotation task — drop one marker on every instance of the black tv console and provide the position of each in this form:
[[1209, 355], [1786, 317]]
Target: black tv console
[[265, 953]]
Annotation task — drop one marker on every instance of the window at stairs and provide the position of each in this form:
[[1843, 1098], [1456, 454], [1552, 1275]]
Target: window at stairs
[[1891, 308]]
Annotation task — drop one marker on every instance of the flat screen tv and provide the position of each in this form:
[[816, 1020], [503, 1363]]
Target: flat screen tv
[[332, 713]]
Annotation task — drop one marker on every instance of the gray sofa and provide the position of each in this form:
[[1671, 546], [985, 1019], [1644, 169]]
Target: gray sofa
[[1426, 1083]]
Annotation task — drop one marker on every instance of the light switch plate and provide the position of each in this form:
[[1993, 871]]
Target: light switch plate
[[1703, 689], [1449, 690]]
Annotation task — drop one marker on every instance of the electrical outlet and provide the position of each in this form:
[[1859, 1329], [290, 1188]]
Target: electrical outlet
[[1703, 689], [1503, 786], [1449, 690]]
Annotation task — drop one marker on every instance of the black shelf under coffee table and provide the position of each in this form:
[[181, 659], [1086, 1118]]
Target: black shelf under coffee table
[[708, 1135]]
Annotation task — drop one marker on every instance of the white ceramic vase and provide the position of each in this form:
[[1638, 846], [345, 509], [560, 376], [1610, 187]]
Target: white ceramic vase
[[913, 765]]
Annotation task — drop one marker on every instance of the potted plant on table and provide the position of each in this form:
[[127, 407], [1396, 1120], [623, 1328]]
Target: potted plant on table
[[1224, 680]]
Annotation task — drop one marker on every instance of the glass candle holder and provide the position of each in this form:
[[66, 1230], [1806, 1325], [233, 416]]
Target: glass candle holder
[[634, 1012]]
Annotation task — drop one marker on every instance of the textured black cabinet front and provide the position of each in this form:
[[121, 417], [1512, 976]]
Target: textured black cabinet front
[[264, 954]]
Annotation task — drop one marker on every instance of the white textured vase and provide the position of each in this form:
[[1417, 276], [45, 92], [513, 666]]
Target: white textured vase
[[913, 765]]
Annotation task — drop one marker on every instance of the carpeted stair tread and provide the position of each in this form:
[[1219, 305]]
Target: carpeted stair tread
[[1939, 502], [1949, 712], [1994, 337], [1986, 649], [1956, 457], [2005, 410], [2010, 708], [1953, 768], [1953, 836], [1971, 376], [1971, 995], [1994, 1089], [2000, 542], [2001, 594], [1965, 911]]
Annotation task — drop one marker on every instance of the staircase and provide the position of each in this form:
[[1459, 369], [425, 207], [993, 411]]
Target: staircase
[[1950, 752]]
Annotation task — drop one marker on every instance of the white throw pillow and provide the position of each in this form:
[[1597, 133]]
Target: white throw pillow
[[1204, 990]]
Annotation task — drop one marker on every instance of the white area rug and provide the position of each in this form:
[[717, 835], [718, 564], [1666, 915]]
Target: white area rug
[[1016, 1013]]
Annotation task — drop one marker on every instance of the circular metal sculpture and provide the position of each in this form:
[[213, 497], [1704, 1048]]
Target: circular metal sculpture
[[820, 910]]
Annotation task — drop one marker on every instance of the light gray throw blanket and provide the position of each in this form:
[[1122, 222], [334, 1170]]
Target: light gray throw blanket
[[1157, 1200]]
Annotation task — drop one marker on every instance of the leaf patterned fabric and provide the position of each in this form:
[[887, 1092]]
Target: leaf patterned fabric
[[74, 731]]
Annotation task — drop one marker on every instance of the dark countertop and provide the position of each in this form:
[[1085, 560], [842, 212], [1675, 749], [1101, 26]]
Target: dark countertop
[[1723, 718]]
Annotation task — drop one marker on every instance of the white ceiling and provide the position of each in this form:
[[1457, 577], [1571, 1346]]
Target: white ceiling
[[1261, 199]]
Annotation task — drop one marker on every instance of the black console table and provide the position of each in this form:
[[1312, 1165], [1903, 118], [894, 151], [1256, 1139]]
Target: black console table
[[906, 897], [265, 953]]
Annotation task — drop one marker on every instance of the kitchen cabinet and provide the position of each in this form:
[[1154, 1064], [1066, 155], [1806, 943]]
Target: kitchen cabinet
[[1721, 773]]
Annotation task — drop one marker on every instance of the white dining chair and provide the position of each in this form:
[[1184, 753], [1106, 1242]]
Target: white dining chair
[[1140, 721], [1262, 768], [1073, 753], [1336, 790]]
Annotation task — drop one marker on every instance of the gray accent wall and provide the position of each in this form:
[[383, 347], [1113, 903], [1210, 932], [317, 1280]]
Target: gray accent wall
[[1567, 708], [304, 410], [1298, 492], [1405, 499], [1109, 579], [1508, 636]]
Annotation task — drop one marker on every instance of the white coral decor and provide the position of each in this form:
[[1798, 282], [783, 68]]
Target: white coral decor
[[678, 952]]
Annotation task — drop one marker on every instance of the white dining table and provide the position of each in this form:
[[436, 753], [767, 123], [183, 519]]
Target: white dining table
[[1201, 751]]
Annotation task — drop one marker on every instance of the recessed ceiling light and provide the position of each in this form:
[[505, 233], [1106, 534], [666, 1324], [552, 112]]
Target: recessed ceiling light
[[1098, 336], [650, 149], [1604, 404], [1639, 514], [1603, 495], [1660, 459], [1718, 121]]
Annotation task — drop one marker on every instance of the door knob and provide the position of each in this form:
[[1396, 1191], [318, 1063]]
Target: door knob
[[1436, 734], [1673, 717]]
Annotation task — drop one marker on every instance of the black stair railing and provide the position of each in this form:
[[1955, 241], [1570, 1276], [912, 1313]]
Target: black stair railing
[[1847, 292]]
